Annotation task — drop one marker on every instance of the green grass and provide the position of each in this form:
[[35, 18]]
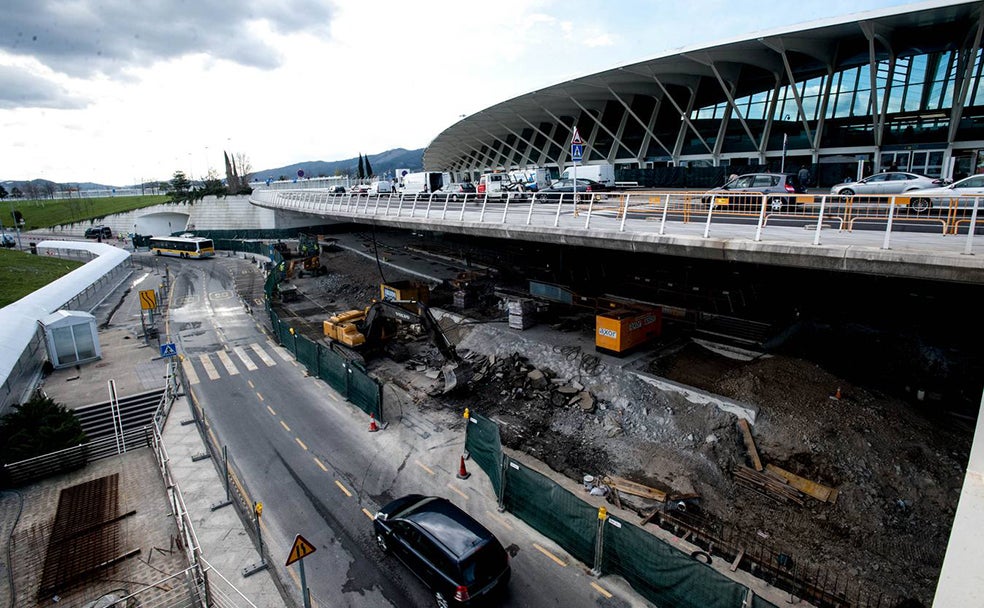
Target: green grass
[[47, 213], [22, 273]]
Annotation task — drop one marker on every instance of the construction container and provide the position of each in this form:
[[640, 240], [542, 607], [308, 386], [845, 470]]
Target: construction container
[[413, 291], [548, 291], [619, 331]]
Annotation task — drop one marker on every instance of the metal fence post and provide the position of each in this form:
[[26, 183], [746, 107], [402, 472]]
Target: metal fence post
[[888, 225], [599, 541], [968, 248]]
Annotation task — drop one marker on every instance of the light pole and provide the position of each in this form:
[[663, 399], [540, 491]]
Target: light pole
[[13, 217]]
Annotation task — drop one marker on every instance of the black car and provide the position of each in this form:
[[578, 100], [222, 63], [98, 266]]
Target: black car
[[99, 231], [564, 189], [455, 556]]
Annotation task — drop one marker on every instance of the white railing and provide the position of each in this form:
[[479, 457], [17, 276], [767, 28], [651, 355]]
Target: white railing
[[877, 221]]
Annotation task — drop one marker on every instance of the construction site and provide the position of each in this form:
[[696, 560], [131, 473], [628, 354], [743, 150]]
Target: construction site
[[773, 454]]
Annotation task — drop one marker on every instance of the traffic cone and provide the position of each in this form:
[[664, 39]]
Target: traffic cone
[[837, 394], [373, 427], [462, 471]]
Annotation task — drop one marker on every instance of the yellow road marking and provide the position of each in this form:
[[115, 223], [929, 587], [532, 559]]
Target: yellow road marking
[[250, 383], [259, 396], [601, 590], [300, 443], [321, 464], [500, 519], [227, 362], [458, 492], [425, 467], [210, 370], [271, 411], [368, 514], [284, 424], [556, 559], [343, 488]]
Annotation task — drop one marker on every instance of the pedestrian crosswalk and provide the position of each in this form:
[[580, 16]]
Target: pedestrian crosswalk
[[249, 358]]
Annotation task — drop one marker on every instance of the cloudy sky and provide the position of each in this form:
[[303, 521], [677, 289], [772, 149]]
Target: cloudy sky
[[120, 91]]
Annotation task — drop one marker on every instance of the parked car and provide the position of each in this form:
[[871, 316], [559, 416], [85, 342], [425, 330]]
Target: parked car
[[455, 556], [888, 182], [336, 190], [756, 183], [564, 188], [457, 191], [922, 201], [359, 189], [96, 232], [8, 241]]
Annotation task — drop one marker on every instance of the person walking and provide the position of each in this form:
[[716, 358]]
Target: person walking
[[804, 175]]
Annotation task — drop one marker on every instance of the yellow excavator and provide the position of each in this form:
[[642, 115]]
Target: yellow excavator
[[365, 332]]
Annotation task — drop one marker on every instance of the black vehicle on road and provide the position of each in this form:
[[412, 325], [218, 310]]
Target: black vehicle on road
[[455, 556], [564, 189], [96, 232]]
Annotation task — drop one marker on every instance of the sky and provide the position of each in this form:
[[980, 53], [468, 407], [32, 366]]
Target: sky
[[119, 92]]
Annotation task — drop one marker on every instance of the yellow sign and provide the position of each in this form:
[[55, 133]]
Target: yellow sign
[[300, 550], [148, 299]]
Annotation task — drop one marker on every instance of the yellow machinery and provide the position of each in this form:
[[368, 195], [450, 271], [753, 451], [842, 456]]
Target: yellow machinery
[[343, 328], [405, 291], [619, 331]]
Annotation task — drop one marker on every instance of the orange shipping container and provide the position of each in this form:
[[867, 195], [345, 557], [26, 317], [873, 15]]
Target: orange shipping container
[[618, 331]]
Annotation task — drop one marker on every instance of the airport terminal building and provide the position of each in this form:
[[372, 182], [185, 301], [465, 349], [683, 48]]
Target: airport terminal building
[[899, 88]]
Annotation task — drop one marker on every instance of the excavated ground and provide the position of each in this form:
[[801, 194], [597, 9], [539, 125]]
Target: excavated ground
[[897, 470]]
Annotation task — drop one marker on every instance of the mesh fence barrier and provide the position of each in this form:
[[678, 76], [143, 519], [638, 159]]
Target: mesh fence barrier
[[663, 574], [551, 510], [333, 370], [307, 354], [482, 443], [365, 392]]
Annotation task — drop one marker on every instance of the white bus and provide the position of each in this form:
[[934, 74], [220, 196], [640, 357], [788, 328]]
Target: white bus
[[182, 246]]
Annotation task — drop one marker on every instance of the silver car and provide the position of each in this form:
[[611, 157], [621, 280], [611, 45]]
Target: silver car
[[968, 188], [888, 182]]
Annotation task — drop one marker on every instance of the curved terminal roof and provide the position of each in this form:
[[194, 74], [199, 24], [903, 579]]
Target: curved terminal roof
[[500, 134], [19, 320]]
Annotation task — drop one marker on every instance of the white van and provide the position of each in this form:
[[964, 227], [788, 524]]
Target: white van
[[381, 186], [494, 184], [424, 182], [604, 174]]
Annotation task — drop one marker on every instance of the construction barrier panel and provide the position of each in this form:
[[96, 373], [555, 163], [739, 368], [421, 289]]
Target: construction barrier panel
[[307, 354], [663, 574], [365, 392], [551, 510], [482, 443]]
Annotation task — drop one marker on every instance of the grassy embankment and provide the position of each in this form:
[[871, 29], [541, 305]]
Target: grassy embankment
[[46, 213], [22, 273]]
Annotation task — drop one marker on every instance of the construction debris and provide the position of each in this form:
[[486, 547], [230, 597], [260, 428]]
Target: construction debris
[[750, 444], [810, 488], [767, 485]]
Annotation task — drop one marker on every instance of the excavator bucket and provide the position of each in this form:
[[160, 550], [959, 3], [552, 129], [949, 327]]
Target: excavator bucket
[[455, 374]]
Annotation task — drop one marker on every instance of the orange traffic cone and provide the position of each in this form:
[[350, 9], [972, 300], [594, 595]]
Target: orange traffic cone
[[462, 471], [837, 394], [373, 427]]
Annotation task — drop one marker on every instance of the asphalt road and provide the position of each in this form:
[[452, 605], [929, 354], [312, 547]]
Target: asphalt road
[[307, 455]]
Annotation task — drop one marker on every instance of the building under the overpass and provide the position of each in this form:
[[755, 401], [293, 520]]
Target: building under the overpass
[[898, 87]]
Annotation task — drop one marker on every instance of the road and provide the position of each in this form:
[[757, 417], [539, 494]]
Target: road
[[308, 457]]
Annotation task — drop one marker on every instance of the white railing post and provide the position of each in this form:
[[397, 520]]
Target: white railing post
[[505, 210], [461, 214], [968, 247], [529, 215], [666, 209], [560, 203], [587, 216], [761, 222], [625, 213], [710, 211], [888, 225], [823, 204]]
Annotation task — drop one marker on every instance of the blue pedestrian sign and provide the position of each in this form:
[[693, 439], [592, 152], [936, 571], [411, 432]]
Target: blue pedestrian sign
[[577, 152], [169, 350]]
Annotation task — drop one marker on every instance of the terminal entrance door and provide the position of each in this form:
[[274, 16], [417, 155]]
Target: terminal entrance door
[[923, 162]]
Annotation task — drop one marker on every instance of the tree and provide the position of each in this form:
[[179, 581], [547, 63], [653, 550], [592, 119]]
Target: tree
[[16, 192], [3, 193], [368, 167], [38, 427], [180, 186], [362, 169]]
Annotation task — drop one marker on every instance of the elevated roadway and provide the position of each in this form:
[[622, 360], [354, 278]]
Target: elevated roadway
[[884, 240]]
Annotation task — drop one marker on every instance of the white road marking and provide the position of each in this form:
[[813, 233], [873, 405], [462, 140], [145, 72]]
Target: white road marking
[[262, 354], [190, 373], [210, 370], [227, 362], [241, 353], [284, 354]]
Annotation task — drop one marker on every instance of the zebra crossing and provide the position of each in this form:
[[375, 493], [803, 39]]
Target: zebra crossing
[[249, 357]]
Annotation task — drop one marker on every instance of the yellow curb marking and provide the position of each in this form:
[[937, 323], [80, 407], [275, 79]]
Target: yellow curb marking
[[601, 590], [300, 443], [556, 559], [321, 464], [368, 514], [259, 396], [458, 492], [343, 488], [250, 383], [425, 467], [284, 424], [273, 413]]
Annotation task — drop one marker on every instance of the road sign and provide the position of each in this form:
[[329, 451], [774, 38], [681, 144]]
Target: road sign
[[577, 152], [577, 137], [300, 550], [148, 299], [169, 350]]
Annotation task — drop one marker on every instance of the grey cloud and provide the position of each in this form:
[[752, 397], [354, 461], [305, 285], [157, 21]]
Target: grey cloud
[[87, 37], [22, 89]]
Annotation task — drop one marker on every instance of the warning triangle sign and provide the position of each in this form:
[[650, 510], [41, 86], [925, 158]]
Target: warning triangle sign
[[300, 550], [577, 137]]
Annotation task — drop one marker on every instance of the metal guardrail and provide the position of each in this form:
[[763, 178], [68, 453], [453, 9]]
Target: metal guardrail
[[685, 213]]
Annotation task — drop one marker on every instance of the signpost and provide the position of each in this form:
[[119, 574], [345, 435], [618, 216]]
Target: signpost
[[169, 350], [301, 549], [577, 153]]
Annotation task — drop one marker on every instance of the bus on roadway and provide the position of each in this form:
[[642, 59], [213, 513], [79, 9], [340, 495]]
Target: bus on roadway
[[182, 246]]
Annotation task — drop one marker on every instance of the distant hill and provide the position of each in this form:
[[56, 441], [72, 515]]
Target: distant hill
[[44, 185], [382, 163]]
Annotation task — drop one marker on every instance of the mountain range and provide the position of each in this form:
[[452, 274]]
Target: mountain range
[[382, 164]]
